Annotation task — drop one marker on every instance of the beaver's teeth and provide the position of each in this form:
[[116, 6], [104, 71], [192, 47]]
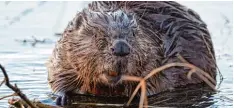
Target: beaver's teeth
[[113, 74]]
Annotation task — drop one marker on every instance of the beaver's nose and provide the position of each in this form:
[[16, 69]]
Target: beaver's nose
[[120, 48]]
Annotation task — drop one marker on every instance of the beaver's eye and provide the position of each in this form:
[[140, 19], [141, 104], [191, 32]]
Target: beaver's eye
[[133, 34], [101, 43], [95, 36]]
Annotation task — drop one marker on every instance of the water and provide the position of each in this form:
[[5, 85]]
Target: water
[[24, 62]]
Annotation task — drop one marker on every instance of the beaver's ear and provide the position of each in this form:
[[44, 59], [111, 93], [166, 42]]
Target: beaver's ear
[[93, 19], [85, 15], [78, 20]]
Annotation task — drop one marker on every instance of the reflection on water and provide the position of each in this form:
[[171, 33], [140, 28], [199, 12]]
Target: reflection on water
[[24, 62]]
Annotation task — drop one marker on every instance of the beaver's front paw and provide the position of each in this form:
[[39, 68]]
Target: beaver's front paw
[[63, 100]]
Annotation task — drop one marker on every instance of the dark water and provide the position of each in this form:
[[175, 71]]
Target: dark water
[[24, 61]]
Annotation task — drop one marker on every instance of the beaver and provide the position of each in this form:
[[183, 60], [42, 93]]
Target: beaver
[[109, 39]]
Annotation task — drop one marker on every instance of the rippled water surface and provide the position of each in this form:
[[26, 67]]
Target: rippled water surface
[[24, 61]]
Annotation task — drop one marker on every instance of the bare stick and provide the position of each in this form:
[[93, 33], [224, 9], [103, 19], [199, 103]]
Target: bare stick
[[194, 71], [19, 103], [14, 94], [142, 84], [159, 69], [182, 58], [146, 99], [16, 89], [143, 95], [183, 65], [133, 94], [190, 74], [3, 81], [202, 72], [207, 81]]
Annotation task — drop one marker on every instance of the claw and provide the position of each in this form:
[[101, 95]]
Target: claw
[[58, 100], [63, 100]]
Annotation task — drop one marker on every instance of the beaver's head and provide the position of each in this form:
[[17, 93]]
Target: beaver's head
[[106, 45]]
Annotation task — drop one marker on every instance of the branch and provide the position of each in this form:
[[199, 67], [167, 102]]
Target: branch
[[3, 81], [202, 74], [142, 84], [18, 103], [16, 89], [14, 94]]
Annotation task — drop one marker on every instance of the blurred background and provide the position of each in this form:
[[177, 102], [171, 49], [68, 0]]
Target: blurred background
[[29, 31]]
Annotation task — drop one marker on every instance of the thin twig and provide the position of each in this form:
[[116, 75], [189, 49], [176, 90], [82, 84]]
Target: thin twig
[[14, 94], [190, 73], [198, 71], [134, 93], [162, 101], [100, 104], [19, 103], [182, 58], [142, 84], [143, 95], [3, 81], [194, 70], [182, 65], [16, 89], [213, 58]]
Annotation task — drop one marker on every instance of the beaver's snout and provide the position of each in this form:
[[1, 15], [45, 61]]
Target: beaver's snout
[[120, 48], [114, 75]]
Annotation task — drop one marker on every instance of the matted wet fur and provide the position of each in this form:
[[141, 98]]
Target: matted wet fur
[[155, 32]]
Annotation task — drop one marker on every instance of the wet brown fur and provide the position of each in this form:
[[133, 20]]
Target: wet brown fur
[[157, 31]]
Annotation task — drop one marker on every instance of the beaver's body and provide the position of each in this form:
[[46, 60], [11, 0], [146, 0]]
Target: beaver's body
[[111, 39]]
